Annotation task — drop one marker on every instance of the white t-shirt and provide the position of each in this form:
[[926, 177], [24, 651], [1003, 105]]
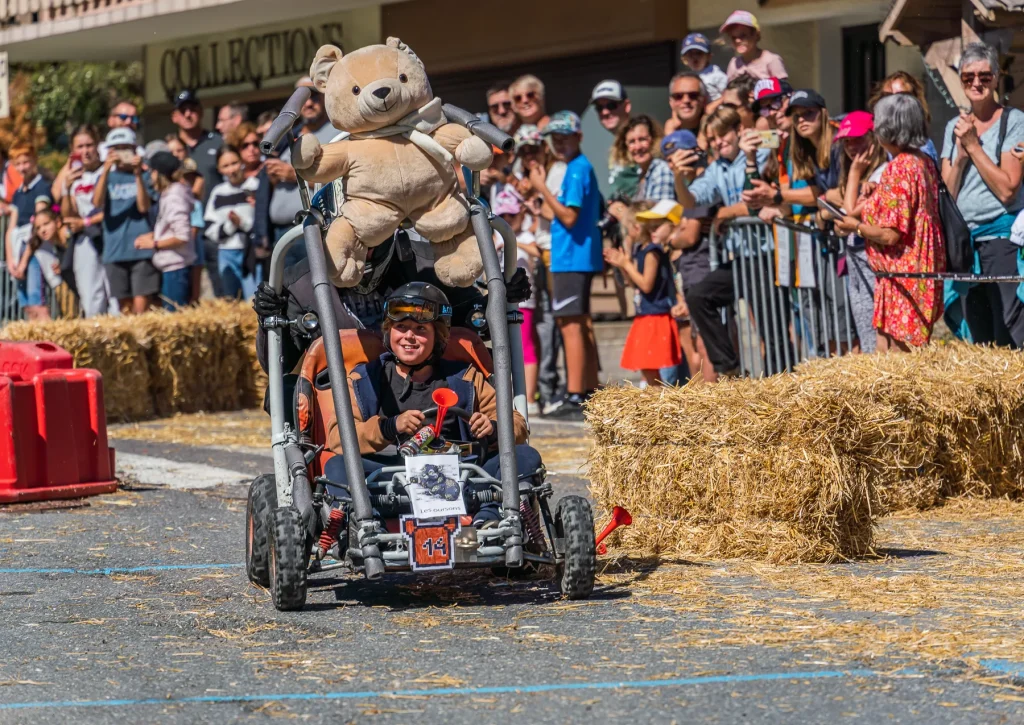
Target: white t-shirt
[[82, 190], [554, 183]]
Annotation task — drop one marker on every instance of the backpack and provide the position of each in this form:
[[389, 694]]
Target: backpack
[[959, 247]]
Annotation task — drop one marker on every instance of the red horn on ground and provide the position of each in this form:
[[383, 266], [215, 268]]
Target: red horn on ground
[[620, 517]]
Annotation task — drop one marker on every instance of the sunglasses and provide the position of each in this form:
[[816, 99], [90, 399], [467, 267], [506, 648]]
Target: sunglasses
[[528, 96], [767, 110], [127, 117], [418, 311], [528, 150], [251, 145], [610, 107], [688, 95], [984, 78], [808, 115], [503, 107]]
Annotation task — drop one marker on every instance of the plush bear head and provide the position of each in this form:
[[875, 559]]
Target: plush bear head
[[371, 87]]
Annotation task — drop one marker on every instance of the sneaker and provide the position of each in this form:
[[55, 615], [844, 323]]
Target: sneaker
[[570, 408], [532, 409], [551, 407]]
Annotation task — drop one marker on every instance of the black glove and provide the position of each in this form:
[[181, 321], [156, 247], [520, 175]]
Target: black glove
[[518, 288], [268, 303]]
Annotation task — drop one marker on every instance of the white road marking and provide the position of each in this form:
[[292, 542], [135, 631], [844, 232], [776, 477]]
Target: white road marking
[[174, 474]]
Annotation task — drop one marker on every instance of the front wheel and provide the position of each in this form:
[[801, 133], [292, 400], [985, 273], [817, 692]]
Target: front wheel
[[289, 558], [574, 524], [262, 500]]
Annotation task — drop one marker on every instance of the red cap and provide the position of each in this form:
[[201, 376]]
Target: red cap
[[855, 124]]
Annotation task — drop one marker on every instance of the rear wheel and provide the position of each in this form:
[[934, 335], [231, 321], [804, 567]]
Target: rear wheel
[[289, 558], [262, 500], [574, 524]]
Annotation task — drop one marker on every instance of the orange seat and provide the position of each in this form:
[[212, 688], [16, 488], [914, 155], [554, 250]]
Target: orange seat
[[315, 405]]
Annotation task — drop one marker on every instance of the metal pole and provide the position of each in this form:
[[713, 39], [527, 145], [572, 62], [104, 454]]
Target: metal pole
[[767, 321], [778, 320], [736, 307], [742, 325], [515, 334]]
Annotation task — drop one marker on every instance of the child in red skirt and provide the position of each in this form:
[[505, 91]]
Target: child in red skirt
[[653, 340]]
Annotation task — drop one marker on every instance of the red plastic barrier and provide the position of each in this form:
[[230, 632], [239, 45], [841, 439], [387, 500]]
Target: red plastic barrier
[[53, 427]]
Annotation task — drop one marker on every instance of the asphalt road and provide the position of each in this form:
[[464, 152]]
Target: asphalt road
[[135, 607]]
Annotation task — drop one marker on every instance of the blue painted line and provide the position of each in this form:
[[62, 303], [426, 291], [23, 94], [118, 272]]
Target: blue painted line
[[123, 570], [1006, 667], [442, 691]]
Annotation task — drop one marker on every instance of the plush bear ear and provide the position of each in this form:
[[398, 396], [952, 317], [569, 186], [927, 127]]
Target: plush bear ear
[[399, 45], [324, 61]]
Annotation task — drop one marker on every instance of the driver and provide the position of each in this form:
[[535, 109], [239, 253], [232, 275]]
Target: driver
[[391, 393]]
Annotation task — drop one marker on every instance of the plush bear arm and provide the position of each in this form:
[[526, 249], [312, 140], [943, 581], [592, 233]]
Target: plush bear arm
[[464, 146], [332, 163]]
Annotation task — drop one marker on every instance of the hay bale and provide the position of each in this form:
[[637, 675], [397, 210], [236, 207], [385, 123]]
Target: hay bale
[[161, 363], [108, 344], [794, 468]]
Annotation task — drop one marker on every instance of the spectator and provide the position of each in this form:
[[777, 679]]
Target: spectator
[[31, 196], [980, 170], [692, 262], [575, 257], [229, 219], [50, 235], [190, 176], [533, 150], [744, 31], [861, 166], [696, 55], [771, 107], [230, 117], [653, 339], [499, 108], [314, 114], [639, 140], [613, 108], [202, 146], [84, 222], [123, 114], [528, 101], [903, 82], [721, 183], [122, 196], [902, 228], [246, 139], [265, 120], [171, 238], [687, 97], [739, 96]]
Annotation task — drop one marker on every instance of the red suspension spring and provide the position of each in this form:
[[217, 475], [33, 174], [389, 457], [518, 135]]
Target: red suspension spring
[[330, 534], [532, 525]]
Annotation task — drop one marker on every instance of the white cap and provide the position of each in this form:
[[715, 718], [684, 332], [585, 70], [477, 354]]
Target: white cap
[[610, 90], [121, 137]]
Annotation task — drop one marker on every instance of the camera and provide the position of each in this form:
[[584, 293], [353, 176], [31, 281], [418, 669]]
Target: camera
[[608, 225]]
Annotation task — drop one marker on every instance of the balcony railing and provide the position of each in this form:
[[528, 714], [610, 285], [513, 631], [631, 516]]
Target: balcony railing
[[29, 12]]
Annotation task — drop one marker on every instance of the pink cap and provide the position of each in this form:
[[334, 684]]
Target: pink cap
[[855, 125], [507, 201], [741, 17]]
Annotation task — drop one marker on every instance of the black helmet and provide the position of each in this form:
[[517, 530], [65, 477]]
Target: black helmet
[[422, 302]]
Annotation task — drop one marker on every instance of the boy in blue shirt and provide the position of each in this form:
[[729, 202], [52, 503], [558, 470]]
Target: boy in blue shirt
[[576, 256]]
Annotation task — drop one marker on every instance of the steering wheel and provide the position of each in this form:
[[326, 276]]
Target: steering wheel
[[454, 410]]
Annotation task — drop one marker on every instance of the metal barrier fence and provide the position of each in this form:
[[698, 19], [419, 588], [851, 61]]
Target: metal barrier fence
[[790, 302], [10, 310]]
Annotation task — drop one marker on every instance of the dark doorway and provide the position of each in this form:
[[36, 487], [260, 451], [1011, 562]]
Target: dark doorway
[[863, 65]]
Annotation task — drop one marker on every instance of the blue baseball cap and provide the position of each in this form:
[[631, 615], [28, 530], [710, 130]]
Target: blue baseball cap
[[677, 140], [695, 41], [563, 122]]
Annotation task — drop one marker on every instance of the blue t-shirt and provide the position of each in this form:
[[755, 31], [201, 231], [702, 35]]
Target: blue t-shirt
[[578, 249], [123, 223], [660, 299]]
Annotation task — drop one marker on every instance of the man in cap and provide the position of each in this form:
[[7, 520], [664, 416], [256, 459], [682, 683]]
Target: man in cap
[[576, 256], [613, 108], [745, 32], [696, 55]]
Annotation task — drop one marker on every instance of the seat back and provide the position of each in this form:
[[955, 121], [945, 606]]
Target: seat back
[[313, 400]]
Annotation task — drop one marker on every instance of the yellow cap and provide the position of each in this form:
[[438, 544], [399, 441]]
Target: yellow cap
[[664, 209]]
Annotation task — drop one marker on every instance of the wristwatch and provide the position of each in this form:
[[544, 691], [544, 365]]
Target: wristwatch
[[777, 199]]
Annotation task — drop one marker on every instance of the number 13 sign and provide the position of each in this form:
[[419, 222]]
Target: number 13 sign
[[431, 544]]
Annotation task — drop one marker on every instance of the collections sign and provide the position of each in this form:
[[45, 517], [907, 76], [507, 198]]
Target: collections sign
[[254, 58]]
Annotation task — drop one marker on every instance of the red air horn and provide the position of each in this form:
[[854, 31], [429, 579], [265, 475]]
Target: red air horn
[[620, 517], [445, 399]]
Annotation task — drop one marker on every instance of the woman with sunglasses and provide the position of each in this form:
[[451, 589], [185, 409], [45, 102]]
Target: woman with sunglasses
[[247, 141], [528, 101], [980, 170]]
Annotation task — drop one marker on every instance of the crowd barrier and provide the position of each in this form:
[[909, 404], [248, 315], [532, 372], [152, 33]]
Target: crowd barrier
[[791, 303], [10, 310]]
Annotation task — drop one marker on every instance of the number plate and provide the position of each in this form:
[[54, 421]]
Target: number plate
[[431, 543]]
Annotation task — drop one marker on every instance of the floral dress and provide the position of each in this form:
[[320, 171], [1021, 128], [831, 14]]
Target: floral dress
[[907, 200]]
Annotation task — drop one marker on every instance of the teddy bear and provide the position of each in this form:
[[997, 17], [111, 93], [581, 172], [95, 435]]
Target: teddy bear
[[398, 161]]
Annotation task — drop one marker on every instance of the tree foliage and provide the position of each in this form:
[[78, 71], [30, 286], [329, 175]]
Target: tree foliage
[[61, 96]]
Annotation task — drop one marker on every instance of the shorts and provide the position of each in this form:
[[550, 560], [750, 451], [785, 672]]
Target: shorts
[[571, 294], [133, 279], [30, 289]]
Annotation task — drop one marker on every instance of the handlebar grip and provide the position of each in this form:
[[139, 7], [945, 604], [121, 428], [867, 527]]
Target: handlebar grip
[[284, 122], [481, 129]]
